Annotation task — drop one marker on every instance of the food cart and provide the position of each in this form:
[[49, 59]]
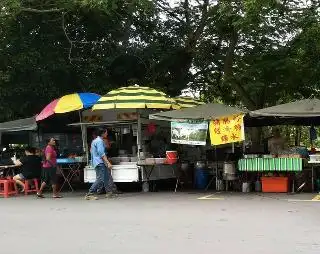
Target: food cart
[[126, 112], [129, 130]]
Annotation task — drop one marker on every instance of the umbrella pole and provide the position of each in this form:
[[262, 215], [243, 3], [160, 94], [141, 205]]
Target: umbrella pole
[[139, 130], [83, 136]]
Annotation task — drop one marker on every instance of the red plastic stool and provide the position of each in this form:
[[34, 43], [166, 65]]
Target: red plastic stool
[[8, 187], [27, 186]]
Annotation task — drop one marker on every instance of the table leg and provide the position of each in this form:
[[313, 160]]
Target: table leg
[[148, 174], [145, 178], [66, 180], [177, 178], [211, 181], [75, 172], [70, 175], [177, 182]]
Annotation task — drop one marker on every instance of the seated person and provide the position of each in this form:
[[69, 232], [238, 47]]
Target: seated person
[[276, 144], [30, 167]]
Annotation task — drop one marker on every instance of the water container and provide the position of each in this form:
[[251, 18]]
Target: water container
[[201, 175], [145, 187], [219, 185], [257, 186], [245, 187]]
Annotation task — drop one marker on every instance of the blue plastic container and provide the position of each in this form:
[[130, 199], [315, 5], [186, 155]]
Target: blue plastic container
[[201, 176]]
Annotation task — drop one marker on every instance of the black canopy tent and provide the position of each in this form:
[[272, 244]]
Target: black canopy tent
[[26, 124], [202, 112], [303, 112], [28, 131]]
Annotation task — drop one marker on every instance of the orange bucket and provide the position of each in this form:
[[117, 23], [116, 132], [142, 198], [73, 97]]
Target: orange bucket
[[172, 157]]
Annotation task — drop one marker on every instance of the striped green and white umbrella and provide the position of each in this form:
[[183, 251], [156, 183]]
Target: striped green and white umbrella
[[135, 97], [187, 102]]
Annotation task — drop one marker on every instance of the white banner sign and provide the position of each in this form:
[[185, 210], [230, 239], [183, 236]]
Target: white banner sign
[[189, 133]]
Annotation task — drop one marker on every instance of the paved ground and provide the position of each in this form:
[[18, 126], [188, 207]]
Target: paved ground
[[161, 223]]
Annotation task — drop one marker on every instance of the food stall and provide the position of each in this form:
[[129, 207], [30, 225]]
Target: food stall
[[122, 125], [211, 158], [278, 169], [273, 171], [125, 112]]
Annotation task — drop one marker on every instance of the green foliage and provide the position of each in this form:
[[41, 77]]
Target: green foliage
[[253, 52]]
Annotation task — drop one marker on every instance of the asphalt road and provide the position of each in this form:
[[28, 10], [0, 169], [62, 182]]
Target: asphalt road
[[161, 223]]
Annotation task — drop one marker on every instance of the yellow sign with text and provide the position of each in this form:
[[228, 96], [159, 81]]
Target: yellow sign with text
[[226, 130]]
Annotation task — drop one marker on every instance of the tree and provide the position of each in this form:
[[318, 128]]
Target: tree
[[51, 48], [257, 62], [252, 53]]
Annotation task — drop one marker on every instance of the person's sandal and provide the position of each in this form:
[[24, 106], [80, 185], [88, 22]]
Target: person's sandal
[[40, 195], [90, 197], [56, 196]]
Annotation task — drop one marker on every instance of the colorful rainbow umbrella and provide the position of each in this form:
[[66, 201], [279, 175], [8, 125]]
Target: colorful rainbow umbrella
[[68, 103]]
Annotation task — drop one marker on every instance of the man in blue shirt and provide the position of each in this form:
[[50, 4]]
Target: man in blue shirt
[[100, 163], [112, 189]]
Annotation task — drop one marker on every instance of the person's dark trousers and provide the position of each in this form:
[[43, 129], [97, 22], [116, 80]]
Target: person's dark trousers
[[101, 179], [110, 186]]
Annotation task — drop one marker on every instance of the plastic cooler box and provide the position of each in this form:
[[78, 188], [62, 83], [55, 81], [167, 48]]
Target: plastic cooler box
[[275, 184]]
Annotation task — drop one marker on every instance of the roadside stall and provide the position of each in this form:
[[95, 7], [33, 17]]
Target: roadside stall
[[142, 152], [14, 134], [215, 158], [278, 168]]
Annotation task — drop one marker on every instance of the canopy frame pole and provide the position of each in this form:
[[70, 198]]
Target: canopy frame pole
[[139, 131], [217, 165], [38, 136]]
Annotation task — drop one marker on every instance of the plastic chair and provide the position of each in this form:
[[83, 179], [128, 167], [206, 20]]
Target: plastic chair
[[27, 186], [8, 188]]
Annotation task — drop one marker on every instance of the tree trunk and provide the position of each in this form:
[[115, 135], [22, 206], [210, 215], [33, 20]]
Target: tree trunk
[[297, 140], [256, 136]]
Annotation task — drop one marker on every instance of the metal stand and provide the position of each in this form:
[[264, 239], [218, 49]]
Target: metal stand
[[74, 169], [216, 168], [293, 186]]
